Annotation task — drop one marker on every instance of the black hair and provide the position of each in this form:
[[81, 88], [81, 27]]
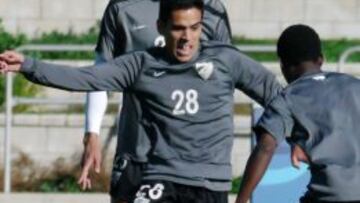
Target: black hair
[[298, 43], [167, 6]]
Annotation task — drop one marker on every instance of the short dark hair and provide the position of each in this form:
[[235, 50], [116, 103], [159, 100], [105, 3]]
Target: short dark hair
[[298, 43], [167, 6]]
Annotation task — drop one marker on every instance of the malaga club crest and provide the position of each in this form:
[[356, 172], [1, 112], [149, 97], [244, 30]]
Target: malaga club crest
[[204, 69]]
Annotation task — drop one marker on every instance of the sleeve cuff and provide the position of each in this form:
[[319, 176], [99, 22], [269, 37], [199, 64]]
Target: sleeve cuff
[[92, 130], [28, 65], [259, 128]]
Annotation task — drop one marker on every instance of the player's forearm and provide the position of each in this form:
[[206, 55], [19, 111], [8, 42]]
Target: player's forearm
[[96, 103], [58, 76], [256, 167]]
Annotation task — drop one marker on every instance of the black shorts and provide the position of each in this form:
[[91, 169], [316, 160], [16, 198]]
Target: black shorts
[[169, 192], [125, 179]]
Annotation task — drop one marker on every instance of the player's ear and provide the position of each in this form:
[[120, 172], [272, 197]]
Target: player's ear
[[320, 60]]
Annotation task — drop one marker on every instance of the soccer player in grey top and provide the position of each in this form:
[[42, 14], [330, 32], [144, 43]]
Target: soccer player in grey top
[[322, 111], [129, 25], [186, 94]]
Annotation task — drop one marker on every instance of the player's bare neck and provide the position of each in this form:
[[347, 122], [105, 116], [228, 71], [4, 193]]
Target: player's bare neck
[[312, 66]]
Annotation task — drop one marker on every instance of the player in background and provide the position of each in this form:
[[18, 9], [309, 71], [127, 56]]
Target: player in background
[[320, 110], [130, 25]]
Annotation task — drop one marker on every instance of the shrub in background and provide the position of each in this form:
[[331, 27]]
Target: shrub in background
[[55, 37], [61, 176]]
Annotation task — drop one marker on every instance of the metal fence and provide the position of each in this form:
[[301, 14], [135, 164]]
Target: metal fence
[[345, 56]]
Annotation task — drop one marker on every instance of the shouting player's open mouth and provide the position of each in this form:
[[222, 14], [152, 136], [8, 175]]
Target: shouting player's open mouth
[[184, 50]]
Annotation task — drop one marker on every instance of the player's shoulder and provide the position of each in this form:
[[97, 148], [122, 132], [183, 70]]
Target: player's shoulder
[[305, 81], [321, 80], [344, 80], [218, 47], [325, 76], [123, 4], [341, 76], [214, 4], [227, 53]]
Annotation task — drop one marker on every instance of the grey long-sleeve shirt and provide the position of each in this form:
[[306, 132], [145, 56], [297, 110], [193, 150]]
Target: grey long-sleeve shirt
[[187, 107]]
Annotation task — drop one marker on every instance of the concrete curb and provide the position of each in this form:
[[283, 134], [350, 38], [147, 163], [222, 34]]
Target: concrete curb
[[54, 198], [62, 198]]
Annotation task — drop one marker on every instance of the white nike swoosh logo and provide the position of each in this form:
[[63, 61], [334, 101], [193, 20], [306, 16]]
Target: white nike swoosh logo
[[319, 77], [139, 27], [158, 74]]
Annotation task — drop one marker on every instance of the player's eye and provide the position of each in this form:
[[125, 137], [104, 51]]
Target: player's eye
[[177, 28], [195, 27]]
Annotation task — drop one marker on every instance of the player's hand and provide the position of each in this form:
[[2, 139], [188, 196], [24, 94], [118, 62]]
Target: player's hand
[[3, 67], [298, 155], [91, 159], [11, 61], [239, 200]]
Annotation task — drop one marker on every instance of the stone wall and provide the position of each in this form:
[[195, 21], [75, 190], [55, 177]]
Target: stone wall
[[266, 19], [34, 17], [249, 18]]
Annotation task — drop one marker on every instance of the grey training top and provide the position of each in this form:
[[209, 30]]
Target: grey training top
[[325, 107], [130, 25], [187, 107]]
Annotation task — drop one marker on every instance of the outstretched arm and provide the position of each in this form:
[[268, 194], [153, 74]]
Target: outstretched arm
[[116, 75], [256, 166]]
